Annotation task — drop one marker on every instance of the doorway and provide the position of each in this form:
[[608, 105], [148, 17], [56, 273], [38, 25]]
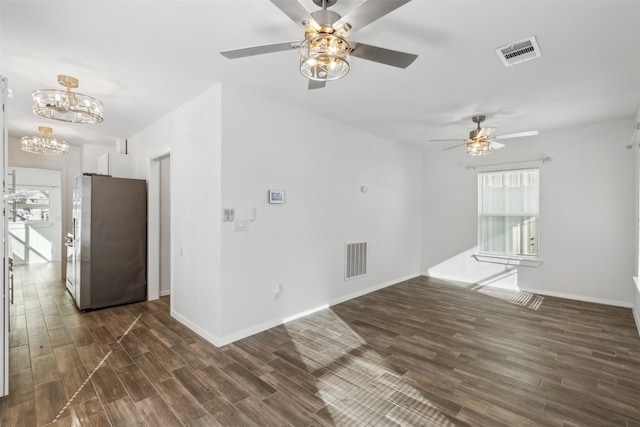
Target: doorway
[[35, 215], [159, 226]]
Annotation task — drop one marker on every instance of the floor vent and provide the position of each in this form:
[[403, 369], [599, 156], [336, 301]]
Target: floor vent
[[520, 51], [355, 260]]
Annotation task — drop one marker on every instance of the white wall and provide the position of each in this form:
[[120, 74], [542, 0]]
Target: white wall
[[230, 157], [192, 134], [90, 155], [321, 165], [586, 219]]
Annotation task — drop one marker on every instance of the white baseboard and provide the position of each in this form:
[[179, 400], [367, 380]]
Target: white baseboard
[[359, 293], [228, 339], [575, 297], [198, 330], [616, 303], [165, 293]]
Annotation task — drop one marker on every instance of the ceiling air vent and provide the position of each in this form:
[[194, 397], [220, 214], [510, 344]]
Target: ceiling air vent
[[520, 51]]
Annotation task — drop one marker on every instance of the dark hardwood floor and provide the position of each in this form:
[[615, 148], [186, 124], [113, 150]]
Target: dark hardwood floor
[[422, 352]]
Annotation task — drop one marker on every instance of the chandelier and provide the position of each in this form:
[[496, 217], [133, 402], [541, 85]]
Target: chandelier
[[43, 144], [67, 106], [324, 57]]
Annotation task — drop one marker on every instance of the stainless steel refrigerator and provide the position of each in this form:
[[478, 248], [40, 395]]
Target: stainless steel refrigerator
[[108, 243]]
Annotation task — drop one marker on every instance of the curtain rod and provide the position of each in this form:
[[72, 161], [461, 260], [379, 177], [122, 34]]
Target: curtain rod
[[544, 160]]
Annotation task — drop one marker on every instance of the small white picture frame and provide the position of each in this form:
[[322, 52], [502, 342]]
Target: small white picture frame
[[276, 196]]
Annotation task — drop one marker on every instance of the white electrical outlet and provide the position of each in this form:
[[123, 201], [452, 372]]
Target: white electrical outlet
[[277, 290], [241, 224]]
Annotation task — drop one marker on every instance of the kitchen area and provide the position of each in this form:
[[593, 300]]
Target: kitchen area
[[78, 243], [93, 225]]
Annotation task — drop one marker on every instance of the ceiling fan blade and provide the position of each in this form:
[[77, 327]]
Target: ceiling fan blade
[[259, 50], [486, 131], [297, 13], [382, 55], [447, 140], [455, 146], [367, 12], [314, 84], [496, 145], [516, 135]]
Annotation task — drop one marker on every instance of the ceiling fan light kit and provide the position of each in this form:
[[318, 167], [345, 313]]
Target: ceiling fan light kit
[[324, 53], [478, 144], [43, 144], [478, 148], [67, 106], [324, 57]]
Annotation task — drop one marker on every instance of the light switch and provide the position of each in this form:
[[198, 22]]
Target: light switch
[[252, 214], [227, 215]]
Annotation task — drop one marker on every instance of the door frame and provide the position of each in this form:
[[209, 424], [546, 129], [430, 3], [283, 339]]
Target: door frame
[[153, 225], [4, 307]]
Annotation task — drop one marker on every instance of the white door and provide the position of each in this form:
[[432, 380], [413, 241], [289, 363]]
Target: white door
[[4, 306]]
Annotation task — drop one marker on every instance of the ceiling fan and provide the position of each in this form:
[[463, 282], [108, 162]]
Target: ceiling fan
[[324, 52], [481, 141]]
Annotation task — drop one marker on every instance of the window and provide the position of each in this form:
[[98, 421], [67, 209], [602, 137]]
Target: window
[[508, 213], [30, 206]]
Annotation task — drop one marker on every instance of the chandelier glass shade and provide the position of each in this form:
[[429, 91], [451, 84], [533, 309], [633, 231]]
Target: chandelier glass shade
[[478, 147], [67, 106], [324, 57], [43, 144]]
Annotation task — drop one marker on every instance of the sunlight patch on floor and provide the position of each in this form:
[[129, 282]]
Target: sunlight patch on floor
[[513, 296], [358, 384]]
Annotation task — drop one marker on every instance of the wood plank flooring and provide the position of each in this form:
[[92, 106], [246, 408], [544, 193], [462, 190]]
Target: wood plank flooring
[[421, 352]]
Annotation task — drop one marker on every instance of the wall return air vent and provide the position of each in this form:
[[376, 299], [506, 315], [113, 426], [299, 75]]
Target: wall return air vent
[[520, 51], [355, 264]]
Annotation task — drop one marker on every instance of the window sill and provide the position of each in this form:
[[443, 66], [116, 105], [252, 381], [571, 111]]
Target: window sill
[[508, 260]]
